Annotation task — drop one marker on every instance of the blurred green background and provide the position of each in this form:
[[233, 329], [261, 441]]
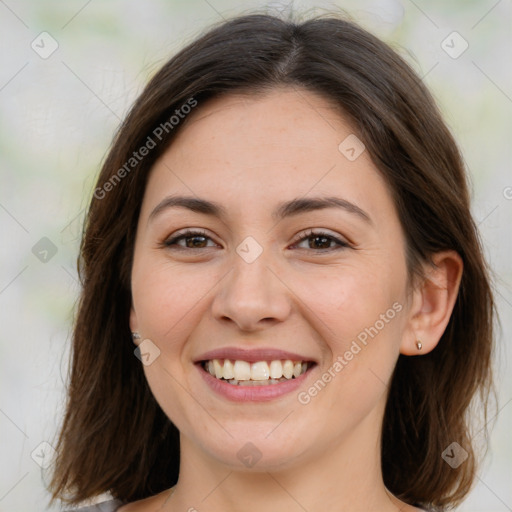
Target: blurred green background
[[58, 113]]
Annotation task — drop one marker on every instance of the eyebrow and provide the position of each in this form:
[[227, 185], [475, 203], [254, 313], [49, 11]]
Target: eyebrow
[[283, 210]]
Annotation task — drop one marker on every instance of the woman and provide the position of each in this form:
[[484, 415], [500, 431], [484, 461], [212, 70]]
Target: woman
[[282, 228]]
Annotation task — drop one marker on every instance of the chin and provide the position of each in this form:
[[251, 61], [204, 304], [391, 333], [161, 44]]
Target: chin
[[250, 450]]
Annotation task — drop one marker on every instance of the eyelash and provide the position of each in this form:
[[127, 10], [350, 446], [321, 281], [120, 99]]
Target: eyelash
[[308, 234]]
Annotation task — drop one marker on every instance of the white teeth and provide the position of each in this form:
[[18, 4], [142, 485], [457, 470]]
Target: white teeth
[[218, 369], [229, 373], [258, 373], [256, 382], [276, 369], [288, 369], [242, 370], [252, 383]]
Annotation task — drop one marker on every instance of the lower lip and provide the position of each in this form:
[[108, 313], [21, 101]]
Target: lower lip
[[252, 393]]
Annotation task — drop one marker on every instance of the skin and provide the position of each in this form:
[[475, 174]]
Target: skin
[[249, 153]]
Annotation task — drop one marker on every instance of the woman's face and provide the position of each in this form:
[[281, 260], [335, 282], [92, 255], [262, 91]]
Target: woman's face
[[301, 259]]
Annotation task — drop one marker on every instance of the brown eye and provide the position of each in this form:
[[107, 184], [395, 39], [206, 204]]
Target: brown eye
[[193, 240], [321, 241]]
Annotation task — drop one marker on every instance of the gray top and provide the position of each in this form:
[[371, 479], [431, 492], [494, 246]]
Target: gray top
[[110, 506], [105, 506]]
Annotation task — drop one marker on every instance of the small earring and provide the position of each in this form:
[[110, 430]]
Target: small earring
[[135, 335], [419, 344]]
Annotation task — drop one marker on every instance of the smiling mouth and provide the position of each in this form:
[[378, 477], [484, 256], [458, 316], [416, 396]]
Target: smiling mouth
[[260, 373]]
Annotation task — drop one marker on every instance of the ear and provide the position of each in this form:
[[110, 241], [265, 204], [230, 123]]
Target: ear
[[432, 303]]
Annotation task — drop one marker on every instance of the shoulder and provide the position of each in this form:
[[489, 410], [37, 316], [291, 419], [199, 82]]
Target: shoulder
[[152, 503], [105, 506], [118, 506]]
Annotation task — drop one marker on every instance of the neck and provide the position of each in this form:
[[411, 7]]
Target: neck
[[345, 476]]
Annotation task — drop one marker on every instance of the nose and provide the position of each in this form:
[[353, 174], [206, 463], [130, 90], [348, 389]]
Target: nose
[[252, 296]]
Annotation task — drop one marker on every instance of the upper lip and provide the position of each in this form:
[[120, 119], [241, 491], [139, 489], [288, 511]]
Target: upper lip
[[251, 355]]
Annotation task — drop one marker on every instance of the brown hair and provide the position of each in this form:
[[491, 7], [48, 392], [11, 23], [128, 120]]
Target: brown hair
[[114, 435]]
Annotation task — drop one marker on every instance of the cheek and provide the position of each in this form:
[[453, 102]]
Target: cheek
[[359, 315], [351, 301], [167, 297]]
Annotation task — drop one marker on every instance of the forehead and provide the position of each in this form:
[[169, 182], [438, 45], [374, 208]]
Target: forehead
[[288, 120], [260, 148]]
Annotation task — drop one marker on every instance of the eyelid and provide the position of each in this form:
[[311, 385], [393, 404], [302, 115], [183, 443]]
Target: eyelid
[[341, 243], [185, 233], [319, 232]]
